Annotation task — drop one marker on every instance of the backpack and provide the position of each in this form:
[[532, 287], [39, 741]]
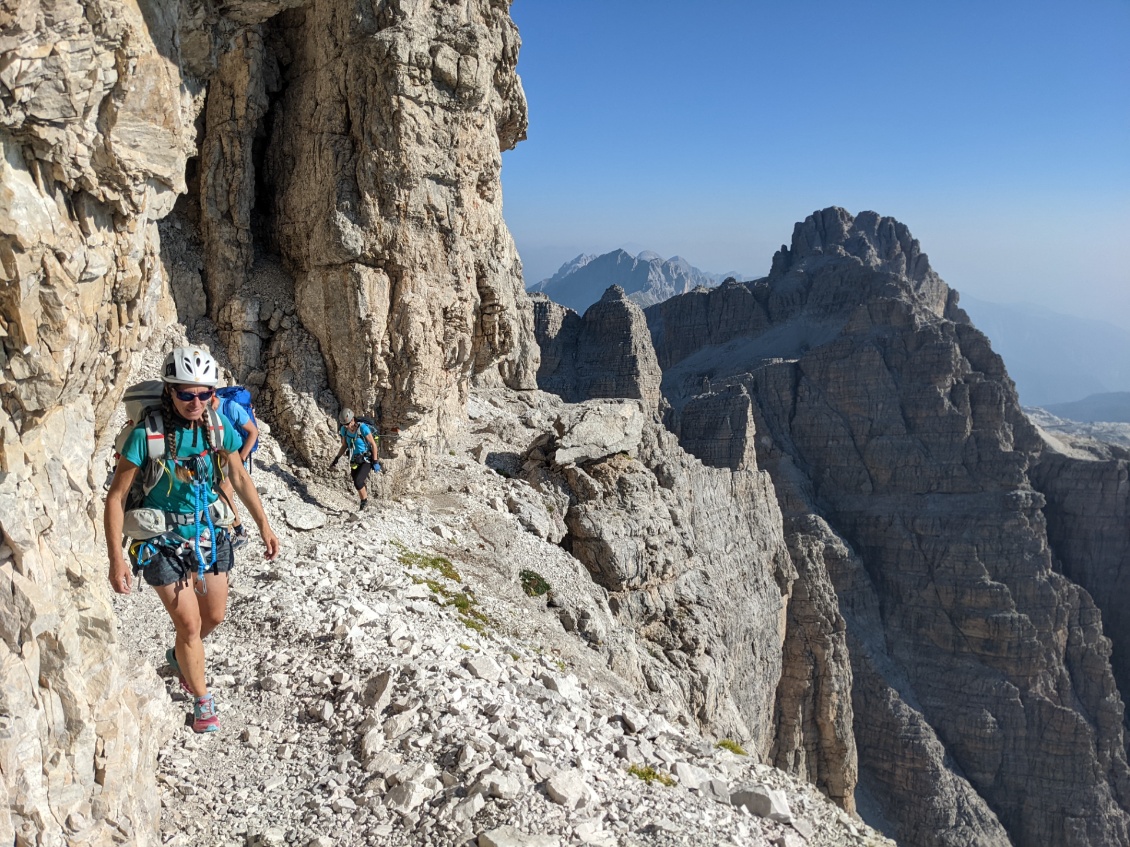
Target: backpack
[[242, 397], [372, 424]]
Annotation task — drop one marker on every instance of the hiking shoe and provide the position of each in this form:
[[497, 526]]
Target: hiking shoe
[[171, 658], [204, 717], [364, 503]]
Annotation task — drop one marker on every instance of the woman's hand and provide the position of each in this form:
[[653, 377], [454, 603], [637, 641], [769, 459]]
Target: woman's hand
[[121, 580], [270, 543]]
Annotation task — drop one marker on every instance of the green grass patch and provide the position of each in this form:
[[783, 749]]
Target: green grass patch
[[649, 775], [440, 564], [733, 746], [533, 583]]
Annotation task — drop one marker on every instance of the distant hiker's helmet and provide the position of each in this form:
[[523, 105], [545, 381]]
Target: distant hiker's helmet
[[346, 416], [190, 366]]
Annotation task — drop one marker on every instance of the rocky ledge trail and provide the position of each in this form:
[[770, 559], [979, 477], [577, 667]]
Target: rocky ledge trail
[[388, 680]]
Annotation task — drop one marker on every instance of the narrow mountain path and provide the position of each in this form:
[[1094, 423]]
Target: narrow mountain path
[[387, 681]]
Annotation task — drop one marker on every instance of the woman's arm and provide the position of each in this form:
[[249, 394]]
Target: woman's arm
[[241, 482], [113, 518], [252, 436]]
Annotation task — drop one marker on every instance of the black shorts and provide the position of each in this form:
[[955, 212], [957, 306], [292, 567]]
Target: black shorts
[[361, 466], [167, 567]]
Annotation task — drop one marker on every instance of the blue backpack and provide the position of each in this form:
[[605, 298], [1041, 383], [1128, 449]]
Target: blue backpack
[[238, 394]]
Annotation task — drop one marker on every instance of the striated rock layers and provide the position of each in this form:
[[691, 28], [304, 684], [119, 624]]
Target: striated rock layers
[[356, 147], [606, 353], [986, 713], [983, 705], [362, 144], [692, 559], [1088, 516]]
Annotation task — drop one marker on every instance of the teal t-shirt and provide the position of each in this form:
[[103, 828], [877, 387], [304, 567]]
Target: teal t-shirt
[[170, 494], [358, 446]]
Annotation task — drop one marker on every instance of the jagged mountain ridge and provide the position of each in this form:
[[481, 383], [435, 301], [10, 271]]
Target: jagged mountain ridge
[[912, 490], [646, 278]]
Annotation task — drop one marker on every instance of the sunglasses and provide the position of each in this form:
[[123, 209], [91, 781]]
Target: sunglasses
[[189, 396]]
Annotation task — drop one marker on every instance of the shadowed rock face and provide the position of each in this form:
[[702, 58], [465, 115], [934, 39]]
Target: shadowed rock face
[[881, 412], [606, 353], [1088, 515]]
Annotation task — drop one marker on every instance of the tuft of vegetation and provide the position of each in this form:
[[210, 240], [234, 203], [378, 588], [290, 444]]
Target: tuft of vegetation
[[463, 646], [733, 746], [463, 602], [441, 564], [533, 583], [649, 775]]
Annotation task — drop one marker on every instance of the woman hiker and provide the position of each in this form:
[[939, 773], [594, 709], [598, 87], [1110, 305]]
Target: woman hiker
[[187, 563], [357, 437]]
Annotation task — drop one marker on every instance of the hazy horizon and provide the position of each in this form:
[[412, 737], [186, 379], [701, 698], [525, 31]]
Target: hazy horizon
[[709, 134]]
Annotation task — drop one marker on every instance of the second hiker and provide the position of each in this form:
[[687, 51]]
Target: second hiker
[[359, 439]]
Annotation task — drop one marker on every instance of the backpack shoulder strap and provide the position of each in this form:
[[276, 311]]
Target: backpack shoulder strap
[[216, 424], [155, 436]]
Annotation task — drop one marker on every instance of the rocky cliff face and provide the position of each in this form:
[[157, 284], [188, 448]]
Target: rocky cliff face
[[1088, 520], [982, 701], [882, 413], [606, 353], [692, 559], [95, 129], [365, 145], [355, 153]]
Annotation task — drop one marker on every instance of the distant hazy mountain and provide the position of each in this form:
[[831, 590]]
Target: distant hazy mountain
[[647, 278], [1052, 357], [1112, 407]]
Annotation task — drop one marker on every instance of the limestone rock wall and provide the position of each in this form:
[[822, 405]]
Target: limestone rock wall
[[881, 411], [95, 128], [606, 353], [1088, 519], [693, 560], [382, 169], [556, 329]]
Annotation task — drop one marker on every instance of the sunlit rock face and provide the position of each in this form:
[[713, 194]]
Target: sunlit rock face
[[987, 712], [366, 141], [96, 129], [365, 179]]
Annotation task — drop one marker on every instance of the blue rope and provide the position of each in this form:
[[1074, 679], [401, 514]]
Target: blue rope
[[201, 505]]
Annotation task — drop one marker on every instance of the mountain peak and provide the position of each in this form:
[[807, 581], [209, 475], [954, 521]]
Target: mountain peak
[[645, 279], [875, 241]]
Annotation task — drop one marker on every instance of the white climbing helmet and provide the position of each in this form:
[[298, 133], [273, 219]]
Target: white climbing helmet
[[190, 366], [346, 416]]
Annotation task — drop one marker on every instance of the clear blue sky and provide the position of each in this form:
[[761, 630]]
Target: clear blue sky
[[998, 132]]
